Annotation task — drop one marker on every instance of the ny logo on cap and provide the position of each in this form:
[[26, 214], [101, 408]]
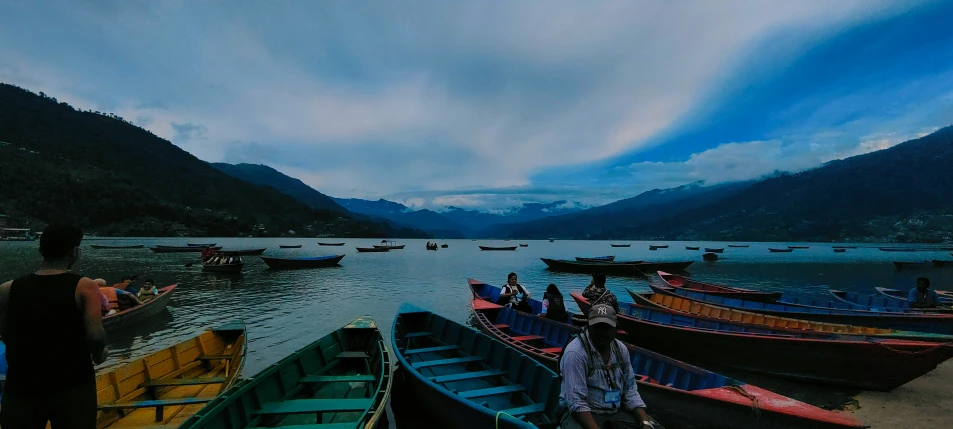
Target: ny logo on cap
[[601, 311]]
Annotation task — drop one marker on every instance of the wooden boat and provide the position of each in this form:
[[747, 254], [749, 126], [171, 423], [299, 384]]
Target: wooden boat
[[844, 247], [467, 379], [389, 245], [290, 246], [944, 296], [659, 246], [653, 248], [799, 247], [434, 247], [133, 315], [490, 293], [524, 245], [342, 380], [372, 249], [846, 360], [710, 257], [715, 250], [330, 244], [620, 245], [773, 250], [497, 248], [699, 309], [678, 392], [596, 259], [882, 303], [839, 250], [166, 388], [175, 249], [739, 245], [246, 252], [219, 263], [680, 282], [636, 268], [444, 246], [897, 249], [131, 246], [299, 263], [692, 248], [200, 244], [919, 322]]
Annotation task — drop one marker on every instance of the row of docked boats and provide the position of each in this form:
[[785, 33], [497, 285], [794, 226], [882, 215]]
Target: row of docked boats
[[609, 266]]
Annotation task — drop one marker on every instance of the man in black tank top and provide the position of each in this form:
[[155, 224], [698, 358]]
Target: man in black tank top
[[51, 322]]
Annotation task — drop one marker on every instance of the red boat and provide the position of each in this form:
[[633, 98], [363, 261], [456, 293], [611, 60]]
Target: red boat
[[135, 315], [677, 392], [847, 360], [680, 282]]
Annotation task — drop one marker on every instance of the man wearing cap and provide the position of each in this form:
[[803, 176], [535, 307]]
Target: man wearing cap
[[598, 383]]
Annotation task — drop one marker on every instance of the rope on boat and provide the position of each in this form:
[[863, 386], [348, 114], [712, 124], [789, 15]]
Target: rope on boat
[[919, 352], [755, 404], [498, 418]]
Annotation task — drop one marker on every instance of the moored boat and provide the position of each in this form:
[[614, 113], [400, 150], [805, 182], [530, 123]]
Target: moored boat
[[289, 246], [342, 380], [680, 282], [444, 246], [844, 247], [330, 244], [596, 259], [200, 244], [739, 245], [467, 379], [897, 249], [715, 250], [177, 249], [497, 248], [637, 268], [372, 249], [489, 293], [392, 245], [839, 250], [919, 322], [524, 245], [880, 302], [659, 246], [133, 315], [945, 297], [692, 248], [300, 263], [773, 250], [799, 247], [674, 391], [166, 388], [710, 257], [620, 245], [845, 360], [131, 246]]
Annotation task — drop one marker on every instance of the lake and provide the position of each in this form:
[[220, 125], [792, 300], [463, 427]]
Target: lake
[[286, 310]]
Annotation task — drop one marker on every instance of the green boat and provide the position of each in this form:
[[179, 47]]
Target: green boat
[[341, 381]]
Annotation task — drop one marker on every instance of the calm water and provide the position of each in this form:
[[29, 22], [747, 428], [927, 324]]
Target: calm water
[[285, 310]]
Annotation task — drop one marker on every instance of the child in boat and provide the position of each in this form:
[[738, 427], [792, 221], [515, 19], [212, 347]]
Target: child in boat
[[148, 291], [553, 304]]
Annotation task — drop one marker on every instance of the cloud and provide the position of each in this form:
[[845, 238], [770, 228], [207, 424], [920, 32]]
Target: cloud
[[185, 132]]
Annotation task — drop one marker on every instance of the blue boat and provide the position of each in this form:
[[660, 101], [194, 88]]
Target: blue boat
[[881, 303], [945, 297], [675, 391], [466, 379], [920, 322], [490, 293]]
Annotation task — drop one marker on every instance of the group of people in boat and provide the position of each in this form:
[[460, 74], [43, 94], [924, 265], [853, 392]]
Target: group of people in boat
[[598, 387], [125, 295], [212, 257], [431, 246]]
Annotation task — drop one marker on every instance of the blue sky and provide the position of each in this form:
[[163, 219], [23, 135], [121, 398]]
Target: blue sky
[[489, 104]]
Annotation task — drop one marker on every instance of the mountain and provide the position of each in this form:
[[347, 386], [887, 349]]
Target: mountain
[[381, 207], [478, 221], [425, 220], [106, 175], [267, 176], [897, 194]]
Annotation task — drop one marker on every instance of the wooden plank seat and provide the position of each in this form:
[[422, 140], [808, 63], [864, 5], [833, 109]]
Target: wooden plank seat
[[527, 338], [353, 355], [214, 357], [337, 379], [158, 404], [418, 334], [184, 381], [307, 406], [528, 409], [554, 350], [451, 361], [513, 388], [466, 376], [431, 349]]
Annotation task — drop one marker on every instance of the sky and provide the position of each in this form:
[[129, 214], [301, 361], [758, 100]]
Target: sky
[[488, 104]]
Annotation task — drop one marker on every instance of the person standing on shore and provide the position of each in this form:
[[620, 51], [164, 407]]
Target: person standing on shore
[[51, 322]]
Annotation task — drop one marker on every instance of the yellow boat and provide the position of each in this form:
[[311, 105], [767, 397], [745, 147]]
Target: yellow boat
[[167, 387]]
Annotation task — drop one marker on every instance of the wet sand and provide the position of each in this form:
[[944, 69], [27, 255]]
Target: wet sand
[[926, 402]]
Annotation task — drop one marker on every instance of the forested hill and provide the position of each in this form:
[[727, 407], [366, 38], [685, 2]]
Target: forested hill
[[58, 164]]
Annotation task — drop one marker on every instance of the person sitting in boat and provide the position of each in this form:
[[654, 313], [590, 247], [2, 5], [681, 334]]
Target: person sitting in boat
[[553, 304], [117, 300], [509, 295], [207, 253], [598, 384], [147, 291], [597, 293], [126, 280], [921, 296]]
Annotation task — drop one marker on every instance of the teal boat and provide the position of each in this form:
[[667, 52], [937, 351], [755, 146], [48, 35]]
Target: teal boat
[[463, 378], [341, 381]]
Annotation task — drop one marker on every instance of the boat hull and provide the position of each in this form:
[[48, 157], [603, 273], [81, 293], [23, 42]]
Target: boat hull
[[295, 246], [330, 244], [498, 248], [224, 268], [618, 245], [134, 315], [372, 249], [680, 282], [302, 263], [245, 252], [596, 259], [614, 268], [100, 246]]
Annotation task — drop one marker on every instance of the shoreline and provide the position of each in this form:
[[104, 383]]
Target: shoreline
[[924, 403]]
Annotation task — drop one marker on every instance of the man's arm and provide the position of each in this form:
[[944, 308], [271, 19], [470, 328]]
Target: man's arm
[[89, 298], [576, 389], [4, 300]]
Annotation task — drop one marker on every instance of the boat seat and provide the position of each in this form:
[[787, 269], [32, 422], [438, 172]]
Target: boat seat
[[528, 409], [501, 326], [466, 376], [431, 349], [158, 404], [527, 338], [553, 350], [513, 388], [213, 357], [353, 355], [306, 406], [451, 361], [337, 379], [418, 334], [184, 381]]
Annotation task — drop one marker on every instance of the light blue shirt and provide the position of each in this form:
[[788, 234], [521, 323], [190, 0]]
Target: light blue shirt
[[582, 392], [930, 299]]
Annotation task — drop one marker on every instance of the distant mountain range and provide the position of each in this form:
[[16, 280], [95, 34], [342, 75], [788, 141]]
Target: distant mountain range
[[903, 193]]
